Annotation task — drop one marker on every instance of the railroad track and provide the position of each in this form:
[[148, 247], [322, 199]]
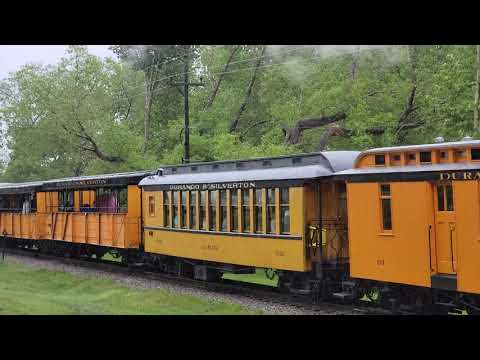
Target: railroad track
[[264, 293]]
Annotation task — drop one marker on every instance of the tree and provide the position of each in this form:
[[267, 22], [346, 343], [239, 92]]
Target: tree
[[160, 65], [66, 119], [476, 123]]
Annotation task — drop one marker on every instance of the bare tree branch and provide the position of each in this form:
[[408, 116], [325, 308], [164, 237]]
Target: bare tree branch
[[217, 83], [332, 130], [293, 135], [245, 132], [236, 118]]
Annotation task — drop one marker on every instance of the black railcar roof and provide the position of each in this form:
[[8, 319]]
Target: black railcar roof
[[91, 181]]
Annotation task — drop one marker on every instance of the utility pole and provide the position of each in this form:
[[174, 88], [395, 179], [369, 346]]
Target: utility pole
[[186, 85]]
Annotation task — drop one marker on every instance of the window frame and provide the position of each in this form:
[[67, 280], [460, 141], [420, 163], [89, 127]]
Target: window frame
[[269, 207], [192, 207], [383, 197], [234, 206], [175, 209], [223, 210], [203, 220], [151, 201], [471, 154], [167, 208], [380, 156], [213, 205], [258, 209], [283, 205], [245, 208]]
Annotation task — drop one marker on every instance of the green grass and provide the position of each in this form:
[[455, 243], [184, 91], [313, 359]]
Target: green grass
[[28, 290], [259, 278]]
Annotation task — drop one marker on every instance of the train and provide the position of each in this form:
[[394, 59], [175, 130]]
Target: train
[[394, 226]]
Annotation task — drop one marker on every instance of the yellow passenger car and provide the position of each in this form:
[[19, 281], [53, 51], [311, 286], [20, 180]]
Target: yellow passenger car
[[265, 213]]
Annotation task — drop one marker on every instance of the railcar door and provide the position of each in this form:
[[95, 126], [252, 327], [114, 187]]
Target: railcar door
[[445, 228]]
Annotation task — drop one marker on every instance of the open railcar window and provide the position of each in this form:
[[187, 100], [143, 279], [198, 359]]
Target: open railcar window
[[223, 210], [246, 210], [203, 210], [257, 208], [193, 209], [284, 211], [108, 200], [166, 209], [175, 210], [271, 219], [234, 210], [212, 204], [183, 217]]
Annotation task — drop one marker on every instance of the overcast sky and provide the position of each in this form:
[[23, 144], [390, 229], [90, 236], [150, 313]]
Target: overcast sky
[[12, 57]]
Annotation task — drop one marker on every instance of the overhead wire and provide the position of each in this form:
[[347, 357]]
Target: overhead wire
[[227, 72]]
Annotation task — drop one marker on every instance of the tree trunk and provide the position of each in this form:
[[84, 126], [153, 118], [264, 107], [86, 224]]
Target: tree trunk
[[293, 135], [236, 118], [146, 119], [354, 65], [330, 131], [412, 60], [217, 83], [405, 122], [476, 109]]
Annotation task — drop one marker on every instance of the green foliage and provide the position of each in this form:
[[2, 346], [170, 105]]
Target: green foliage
[[41, 107]]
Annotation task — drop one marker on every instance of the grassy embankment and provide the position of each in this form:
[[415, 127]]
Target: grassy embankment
[[29, 290]]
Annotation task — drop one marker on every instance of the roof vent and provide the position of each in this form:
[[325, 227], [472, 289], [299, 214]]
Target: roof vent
[[467, 138], [160, 172], [439, 139]]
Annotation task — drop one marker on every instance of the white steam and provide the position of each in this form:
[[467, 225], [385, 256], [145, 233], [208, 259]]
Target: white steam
[[297, 59]]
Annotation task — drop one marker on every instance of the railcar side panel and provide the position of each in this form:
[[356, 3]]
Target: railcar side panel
[[468, 233], [243, 248], [385, 255]]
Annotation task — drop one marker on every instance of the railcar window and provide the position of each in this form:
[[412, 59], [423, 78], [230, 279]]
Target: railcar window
[[193, 209], [449, 198], [183, 217], [212, 201], [246, 210], [203, 211], [443, 154], [412, 157], [166, 209], [341, 191], [396, 157], [425, 157], [284, 211], [175, 211], [271, 210], [380, 159], [475, 154], [223, 210], [151, 206], [445, 197], [386, 200], [441, 198], [234, 210], [109, 200], [66, 201], [257, 208]]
